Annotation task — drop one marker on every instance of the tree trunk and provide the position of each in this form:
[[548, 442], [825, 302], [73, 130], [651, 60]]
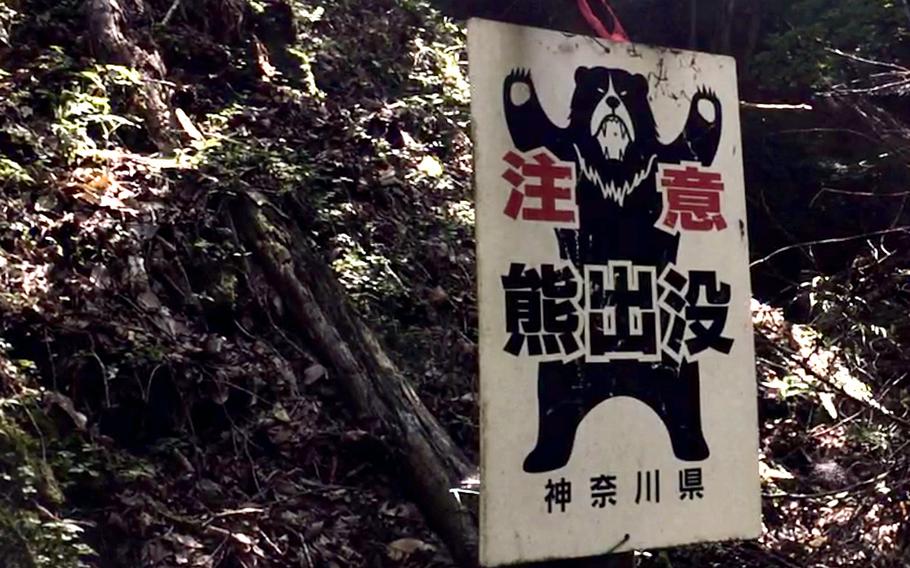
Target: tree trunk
[[434, 465], [693, 24], [753, 33], [724, 35], [114, 38]]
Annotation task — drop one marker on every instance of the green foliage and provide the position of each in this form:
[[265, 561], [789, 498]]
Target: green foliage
[[366, 276], [29, 539], [244, 163], [86, 120], [12, 172], [795, 55]]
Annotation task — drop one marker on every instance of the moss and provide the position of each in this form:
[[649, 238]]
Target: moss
[[29, 538]]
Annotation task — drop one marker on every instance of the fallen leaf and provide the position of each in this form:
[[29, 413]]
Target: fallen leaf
[[438, 296], [280, 413], [314, 529], [768, 473], [430, 167], [279, 435], [387, 177], [149, 301], [46, 202], [405, 547], [245, 543], [66, 404], [209, 490], [313, 374], [187, 125], [827, 399]]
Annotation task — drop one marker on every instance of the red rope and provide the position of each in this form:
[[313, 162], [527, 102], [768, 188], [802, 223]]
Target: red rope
[[618, 33]]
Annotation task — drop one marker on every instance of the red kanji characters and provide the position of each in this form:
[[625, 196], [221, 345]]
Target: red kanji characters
[[539, 176], [691, 198]]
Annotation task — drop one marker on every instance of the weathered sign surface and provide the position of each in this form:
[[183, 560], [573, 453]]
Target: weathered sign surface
[[618, 400]]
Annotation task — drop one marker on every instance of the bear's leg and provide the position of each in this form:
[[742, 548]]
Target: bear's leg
[[562, 404], [677, 400]]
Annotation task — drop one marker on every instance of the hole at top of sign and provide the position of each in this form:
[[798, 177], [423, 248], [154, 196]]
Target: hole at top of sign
[[521, 93], [706, 110]]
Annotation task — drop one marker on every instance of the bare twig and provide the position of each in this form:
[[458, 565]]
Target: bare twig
[[825, 131], [306, 551], [904, 81], [904, 229], [50, 359], [104, 377], [170, 13], [235, 513], [271, 544], [896, 194], [859, 59], [777, 106]]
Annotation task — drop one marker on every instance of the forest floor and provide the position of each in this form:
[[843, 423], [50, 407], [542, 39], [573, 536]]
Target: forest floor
[[158, 408]]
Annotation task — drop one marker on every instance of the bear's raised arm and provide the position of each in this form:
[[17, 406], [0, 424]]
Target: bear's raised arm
[[701, 136], [528, 123]]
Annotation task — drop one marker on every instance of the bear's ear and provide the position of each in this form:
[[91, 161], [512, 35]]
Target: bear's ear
[[581, 75]]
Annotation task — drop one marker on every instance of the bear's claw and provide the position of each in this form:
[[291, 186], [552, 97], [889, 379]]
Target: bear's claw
[[519, 76]]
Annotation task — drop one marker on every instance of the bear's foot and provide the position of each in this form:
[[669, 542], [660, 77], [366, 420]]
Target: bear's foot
[[544, 459], [689, 446], [555, 439]]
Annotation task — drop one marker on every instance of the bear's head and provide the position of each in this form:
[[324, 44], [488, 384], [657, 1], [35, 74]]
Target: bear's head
[[614, 130]]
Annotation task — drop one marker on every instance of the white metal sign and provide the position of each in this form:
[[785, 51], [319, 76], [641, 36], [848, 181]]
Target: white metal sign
[[618, 400]]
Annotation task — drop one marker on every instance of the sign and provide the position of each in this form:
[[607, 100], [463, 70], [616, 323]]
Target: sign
[[618, 398]]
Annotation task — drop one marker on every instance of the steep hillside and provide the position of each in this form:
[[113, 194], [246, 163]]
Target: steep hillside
[[160, 402]]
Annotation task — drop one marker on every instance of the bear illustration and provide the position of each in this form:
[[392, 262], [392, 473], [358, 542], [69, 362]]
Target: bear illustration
[[612, 139]]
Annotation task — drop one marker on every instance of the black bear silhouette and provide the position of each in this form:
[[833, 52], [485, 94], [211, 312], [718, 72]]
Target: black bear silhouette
[[612, 139]]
